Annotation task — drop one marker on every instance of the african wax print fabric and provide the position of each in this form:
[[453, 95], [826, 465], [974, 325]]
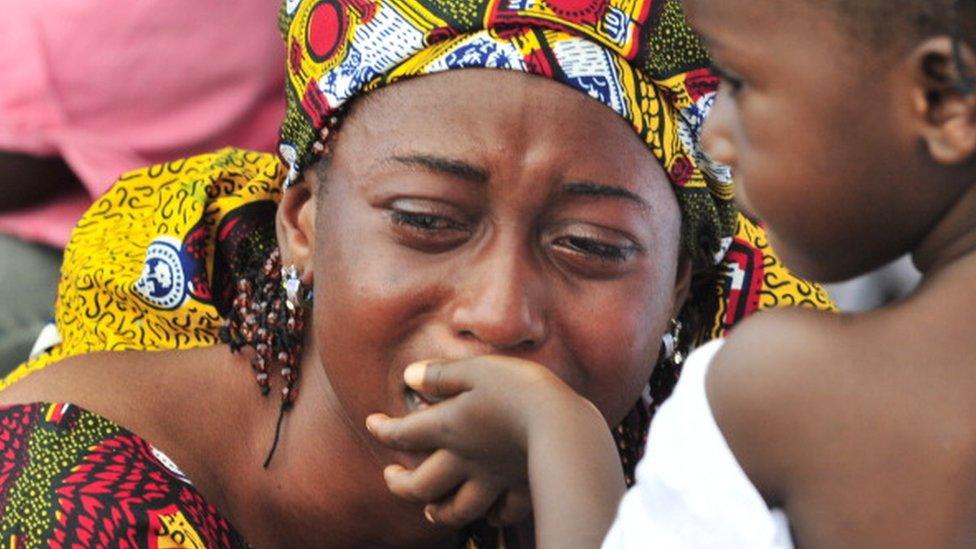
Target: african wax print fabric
[[70, 478]]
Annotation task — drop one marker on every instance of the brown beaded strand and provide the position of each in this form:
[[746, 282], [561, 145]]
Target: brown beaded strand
[[262, 318], [270, 318]]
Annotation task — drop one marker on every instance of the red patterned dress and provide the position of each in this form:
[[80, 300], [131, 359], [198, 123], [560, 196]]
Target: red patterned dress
[[71, 478]]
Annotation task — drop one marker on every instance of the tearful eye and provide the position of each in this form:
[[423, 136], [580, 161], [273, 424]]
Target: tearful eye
[[595, 258], [589, 250], [428, 232], [599, 250], [426, 222]]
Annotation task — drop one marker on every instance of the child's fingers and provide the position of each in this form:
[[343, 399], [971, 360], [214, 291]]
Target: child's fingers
[[434, 479], [471, 502], [439, 378], [512, 508], [423, 430], [413, 433]]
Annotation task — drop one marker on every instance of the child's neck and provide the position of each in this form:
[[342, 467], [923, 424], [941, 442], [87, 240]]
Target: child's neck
[[952, 238]]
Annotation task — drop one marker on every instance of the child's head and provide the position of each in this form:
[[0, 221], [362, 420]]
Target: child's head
[[845, 120]]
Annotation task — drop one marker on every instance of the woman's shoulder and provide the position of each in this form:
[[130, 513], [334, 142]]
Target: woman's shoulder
[[72, 477], [102, 380]]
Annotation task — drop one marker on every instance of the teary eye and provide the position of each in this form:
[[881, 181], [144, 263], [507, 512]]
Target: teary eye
[[593, 252], [426, 222], [417, 226], [603, 251]]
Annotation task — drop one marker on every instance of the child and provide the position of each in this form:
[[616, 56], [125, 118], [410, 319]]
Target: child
[[851, 127]]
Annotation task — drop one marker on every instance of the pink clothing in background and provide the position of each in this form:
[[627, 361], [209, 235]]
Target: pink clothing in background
[[113, 86]]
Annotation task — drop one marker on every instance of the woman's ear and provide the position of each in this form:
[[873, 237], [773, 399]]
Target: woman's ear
[[944, 103], [295, 224], [682, 284]]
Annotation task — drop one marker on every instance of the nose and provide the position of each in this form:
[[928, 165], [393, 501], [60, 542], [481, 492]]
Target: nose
[[716, 137], [501, 303]]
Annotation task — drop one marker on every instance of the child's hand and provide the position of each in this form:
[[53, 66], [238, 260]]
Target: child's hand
[[488, 411]]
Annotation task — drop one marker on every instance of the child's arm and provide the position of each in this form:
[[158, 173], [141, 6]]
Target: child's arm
[[506, 421]]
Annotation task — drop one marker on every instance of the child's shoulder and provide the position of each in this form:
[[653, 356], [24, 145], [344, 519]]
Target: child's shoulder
[[773, 374], [816, 357], [833, 407]]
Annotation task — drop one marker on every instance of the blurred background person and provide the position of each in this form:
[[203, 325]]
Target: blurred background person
[[89, 90]]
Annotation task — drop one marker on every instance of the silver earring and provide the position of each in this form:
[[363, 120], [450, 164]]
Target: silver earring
[[292, 283], [669, 342]]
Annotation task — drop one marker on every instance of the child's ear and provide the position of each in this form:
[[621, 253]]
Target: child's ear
[[944, 99], [295, 224]]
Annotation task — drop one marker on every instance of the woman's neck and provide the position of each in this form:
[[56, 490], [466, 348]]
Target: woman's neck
[[952, 238], [324, 486]]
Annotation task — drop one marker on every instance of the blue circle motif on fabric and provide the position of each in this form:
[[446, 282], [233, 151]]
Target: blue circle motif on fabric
[[162, 282]]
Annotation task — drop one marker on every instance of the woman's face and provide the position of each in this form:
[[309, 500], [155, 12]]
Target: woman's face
[[485, 212]]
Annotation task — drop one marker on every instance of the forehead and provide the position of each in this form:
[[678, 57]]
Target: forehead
[[796, 44], [505, 97], [754, 23], [496, 116]]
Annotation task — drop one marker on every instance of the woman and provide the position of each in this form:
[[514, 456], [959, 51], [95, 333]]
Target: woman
[[460, 214]]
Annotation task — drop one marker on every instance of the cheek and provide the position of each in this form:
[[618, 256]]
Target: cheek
[[796, 173], [615, 344], [368, 298], [613, 330], [782, 160]]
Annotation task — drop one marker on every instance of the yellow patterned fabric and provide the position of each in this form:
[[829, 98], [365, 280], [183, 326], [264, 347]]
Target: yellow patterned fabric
[[153, 261]]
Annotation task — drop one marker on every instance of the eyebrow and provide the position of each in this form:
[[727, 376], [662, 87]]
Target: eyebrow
[[449, 166], [476, 174], [598, 190]]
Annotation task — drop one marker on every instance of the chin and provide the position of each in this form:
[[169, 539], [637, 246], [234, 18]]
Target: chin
[[817, 264], [821, 273]]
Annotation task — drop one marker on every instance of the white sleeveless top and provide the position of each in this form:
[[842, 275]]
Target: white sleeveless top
[[691, 491]]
